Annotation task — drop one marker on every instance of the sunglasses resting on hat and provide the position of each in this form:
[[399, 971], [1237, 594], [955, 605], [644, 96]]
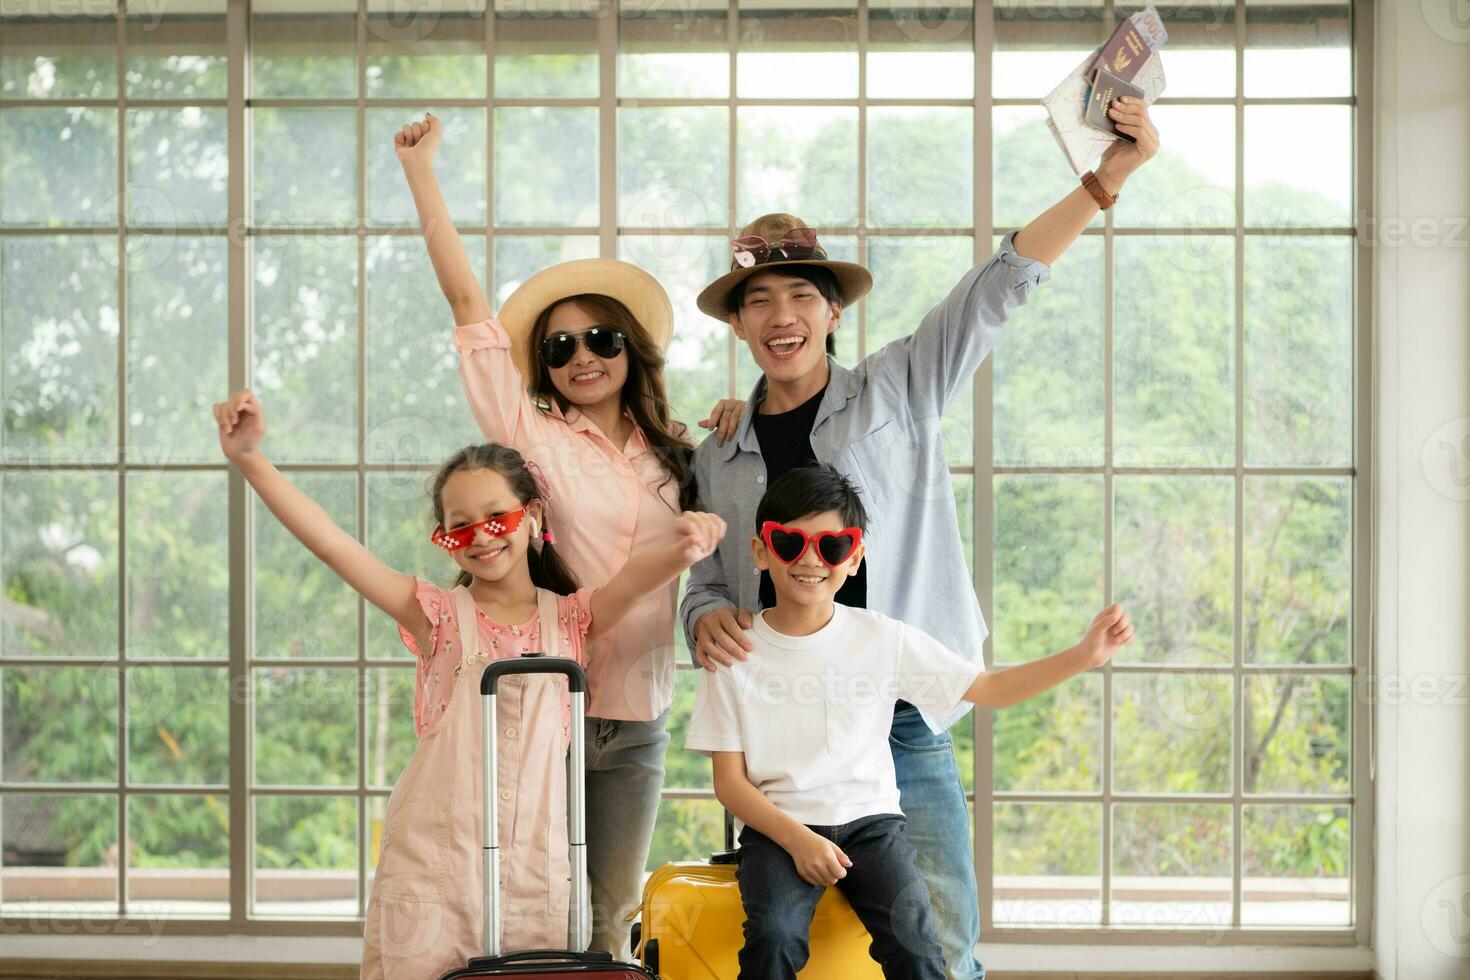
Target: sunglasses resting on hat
[[798, 243]]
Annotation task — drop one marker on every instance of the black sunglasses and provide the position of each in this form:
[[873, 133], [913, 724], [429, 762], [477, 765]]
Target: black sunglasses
[[559, 349]]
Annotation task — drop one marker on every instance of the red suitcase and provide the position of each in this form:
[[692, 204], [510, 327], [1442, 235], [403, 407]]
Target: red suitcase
[[544, 964]]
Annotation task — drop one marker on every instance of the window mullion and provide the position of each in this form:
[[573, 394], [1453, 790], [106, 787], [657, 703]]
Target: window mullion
[[1237, 817], [237, 41], [361, 496], [982, 490], [124, 856]]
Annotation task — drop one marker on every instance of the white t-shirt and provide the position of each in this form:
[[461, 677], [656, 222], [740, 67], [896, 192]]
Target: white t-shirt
[[812, 713]]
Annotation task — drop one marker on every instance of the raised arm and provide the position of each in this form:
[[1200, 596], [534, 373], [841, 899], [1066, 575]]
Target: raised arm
[[1053, 231], [930, 366], [645, 571], [1002, 688], [416, 145], [241, 427], [493, 385]]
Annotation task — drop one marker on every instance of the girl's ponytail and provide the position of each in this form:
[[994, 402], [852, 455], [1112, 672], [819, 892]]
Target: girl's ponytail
[[548, 571]]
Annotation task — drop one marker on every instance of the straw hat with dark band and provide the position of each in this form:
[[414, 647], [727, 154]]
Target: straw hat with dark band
[[622, 281], [853, 281]]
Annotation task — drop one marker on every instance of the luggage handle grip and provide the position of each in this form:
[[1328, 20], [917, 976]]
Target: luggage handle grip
[[533, 663], [558, 955]]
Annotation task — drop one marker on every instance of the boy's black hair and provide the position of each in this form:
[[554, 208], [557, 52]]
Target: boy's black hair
[[817, 275], [811, 489]]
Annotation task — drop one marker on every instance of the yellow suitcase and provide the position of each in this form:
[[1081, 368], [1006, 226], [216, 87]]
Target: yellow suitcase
[[691, 927]]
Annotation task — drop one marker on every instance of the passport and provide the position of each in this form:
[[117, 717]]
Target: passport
[[1133, 40], [1105, 88]]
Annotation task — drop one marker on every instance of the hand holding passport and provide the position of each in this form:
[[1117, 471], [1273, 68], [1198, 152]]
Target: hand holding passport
[[1105, 88], [1127, 65]]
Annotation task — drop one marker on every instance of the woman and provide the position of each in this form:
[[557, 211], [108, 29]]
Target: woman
[[571, 374]]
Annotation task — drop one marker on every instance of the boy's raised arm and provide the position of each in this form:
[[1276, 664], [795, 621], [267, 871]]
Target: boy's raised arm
[[1002, 688]]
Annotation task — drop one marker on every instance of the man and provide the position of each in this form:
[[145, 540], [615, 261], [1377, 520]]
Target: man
[[880, 425]]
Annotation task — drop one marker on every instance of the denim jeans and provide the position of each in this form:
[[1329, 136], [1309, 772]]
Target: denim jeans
[[883, 886], [625, 774], [938, 829]]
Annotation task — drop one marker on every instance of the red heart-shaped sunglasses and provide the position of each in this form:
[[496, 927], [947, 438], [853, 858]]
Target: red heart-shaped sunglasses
[[788, 544]]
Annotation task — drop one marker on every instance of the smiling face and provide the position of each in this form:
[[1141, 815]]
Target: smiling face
[[587, 379], [807, 581], [785, 322], [473, 495]]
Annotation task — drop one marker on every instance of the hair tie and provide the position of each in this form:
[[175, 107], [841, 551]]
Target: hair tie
[[543, 488]]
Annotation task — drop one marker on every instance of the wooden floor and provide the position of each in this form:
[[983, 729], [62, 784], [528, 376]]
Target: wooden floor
[[88, 970]]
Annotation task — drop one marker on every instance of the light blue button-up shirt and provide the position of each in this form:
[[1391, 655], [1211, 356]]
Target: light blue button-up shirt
[[880, 425]]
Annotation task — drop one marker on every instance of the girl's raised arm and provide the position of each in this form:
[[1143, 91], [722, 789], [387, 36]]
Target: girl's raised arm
[[698, 534], [416, 145], [241, 427]]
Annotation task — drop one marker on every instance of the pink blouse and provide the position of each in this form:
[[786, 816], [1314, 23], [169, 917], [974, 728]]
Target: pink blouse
[[606, 503]]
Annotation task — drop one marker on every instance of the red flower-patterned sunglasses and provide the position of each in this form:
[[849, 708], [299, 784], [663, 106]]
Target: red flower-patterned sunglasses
[[788, 544], [462, 537]]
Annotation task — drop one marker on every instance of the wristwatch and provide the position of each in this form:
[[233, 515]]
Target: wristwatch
[[1098, 192]]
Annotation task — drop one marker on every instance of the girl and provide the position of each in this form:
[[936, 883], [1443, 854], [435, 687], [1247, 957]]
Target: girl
[[587, 339], [513, 595]]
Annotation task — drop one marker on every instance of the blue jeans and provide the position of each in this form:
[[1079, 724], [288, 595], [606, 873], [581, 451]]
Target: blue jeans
[[883, 886], [938, 829], [625, 774]]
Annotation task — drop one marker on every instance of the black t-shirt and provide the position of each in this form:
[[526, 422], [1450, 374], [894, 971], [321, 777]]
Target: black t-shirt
[[786, 443]]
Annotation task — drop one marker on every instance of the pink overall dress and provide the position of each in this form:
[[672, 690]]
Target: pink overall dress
[[424, 911]]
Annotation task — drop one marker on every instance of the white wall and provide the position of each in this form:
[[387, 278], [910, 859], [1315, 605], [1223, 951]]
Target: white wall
[[1423, 268]]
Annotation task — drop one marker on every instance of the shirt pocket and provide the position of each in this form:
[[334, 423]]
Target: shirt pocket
[[903, 467]]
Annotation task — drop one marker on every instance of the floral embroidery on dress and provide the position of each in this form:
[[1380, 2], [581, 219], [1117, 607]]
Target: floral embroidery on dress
[[442, 666]]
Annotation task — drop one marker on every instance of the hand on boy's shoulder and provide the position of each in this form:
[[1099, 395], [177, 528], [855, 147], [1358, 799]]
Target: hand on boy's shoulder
[[720, 637]]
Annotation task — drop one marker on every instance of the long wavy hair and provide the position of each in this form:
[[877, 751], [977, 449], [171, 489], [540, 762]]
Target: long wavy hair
[[548, 571], [644, 394]]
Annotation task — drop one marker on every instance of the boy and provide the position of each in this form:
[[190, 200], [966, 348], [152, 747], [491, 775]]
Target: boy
[[798, 733]]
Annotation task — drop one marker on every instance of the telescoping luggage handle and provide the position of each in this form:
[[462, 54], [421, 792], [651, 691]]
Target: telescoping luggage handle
[[535, 663]]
